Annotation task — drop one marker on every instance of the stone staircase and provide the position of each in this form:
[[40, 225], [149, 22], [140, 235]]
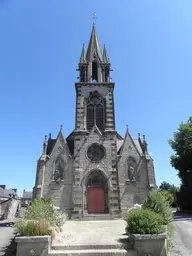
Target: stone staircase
[[92, 250], [92, 238]]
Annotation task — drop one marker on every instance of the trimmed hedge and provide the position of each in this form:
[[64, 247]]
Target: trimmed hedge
[[144, 221]]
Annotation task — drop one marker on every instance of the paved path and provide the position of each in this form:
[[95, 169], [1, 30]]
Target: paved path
[[6, 236], [103, 232], [182, 235]]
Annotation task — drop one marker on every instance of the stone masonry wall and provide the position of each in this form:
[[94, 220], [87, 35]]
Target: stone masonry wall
[[60, 191], [82, 167], [132, 192]]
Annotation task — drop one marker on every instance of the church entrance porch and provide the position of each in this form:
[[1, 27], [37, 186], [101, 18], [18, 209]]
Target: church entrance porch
[[96, 197]]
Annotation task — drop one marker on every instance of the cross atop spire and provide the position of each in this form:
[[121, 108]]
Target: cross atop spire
[[94, 17]]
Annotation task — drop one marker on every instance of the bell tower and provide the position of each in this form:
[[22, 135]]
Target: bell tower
[[94, 91], [95, 150]]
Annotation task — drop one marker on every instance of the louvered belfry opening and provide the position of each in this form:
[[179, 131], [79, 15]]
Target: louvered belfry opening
[[82, 74], [94, 71], [95, 112]]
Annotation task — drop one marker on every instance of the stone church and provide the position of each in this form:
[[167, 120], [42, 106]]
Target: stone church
[[94, 170]]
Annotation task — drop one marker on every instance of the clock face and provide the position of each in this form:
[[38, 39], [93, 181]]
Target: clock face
[[96, 152]]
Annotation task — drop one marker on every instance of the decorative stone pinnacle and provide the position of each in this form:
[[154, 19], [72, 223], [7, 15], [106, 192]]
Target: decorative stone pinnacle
[[139, 134], [45, 138], [49, 135], [61, 126], [144, 137]]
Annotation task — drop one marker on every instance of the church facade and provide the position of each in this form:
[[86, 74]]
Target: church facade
[[94, 170]]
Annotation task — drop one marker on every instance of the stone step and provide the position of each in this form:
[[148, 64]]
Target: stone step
[[97, 217], [98, 252], [60, 247]]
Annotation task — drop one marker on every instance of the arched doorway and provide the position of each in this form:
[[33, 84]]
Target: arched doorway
[[97, 193]]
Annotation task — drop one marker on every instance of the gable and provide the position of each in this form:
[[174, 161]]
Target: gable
[[129, 146]]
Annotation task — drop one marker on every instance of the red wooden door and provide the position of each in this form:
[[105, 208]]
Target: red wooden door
[[95, 200]]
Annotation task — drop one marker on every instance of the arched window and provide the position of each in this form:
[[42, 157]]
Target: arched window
[[95, 112], [94, 71]]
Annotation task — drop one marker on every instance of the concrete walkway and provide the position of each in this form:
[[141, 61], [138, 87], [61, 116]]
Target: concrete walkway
[[6, 237], [182, 235], [106, 232]]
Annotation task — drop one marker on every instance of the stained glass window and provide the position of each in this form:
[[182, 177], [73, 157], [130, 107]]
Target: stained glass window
[[95, 112], [96, 152]]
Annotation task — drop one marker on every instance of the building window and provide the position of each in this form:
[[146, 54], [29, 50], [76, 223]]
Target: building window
[[96, 152], [95, 112]]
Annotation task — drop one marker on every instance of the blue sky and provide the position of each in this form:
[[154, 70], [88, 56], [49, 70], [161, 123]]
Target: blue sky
[[150, 46]]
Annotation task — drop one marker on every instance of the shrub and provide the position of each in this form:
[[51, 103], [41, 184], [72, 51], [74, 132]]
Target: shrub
[[144, 221], [32, 228], [157, 203], [40, 218], [168, 196], [43, 209]]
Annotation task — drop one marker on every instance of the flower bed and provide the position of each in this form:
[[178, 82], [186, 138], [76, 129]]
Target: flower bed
[[38, 227]]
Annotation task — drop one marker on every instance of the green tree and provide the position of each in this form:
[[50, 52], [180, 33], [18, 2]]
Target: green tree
[[182, 145], [164, 186]]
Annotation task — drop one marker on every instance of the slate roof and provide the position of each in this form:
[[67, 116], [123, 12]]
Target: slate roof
[[5, 193], [51, 144], [27, 195]]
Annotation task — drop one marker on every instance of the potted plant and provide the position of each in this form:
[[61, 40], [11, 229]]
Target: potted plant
[[38, 228], [146, 225]]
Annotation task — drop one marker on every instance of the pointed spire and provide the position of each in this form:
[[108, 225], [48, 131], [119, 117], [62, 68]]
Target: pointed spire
[[140, 142], [105, 55], [60, 131], [144, 144], [83, 55], [45, 146], [126, 131], [94, 47]]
